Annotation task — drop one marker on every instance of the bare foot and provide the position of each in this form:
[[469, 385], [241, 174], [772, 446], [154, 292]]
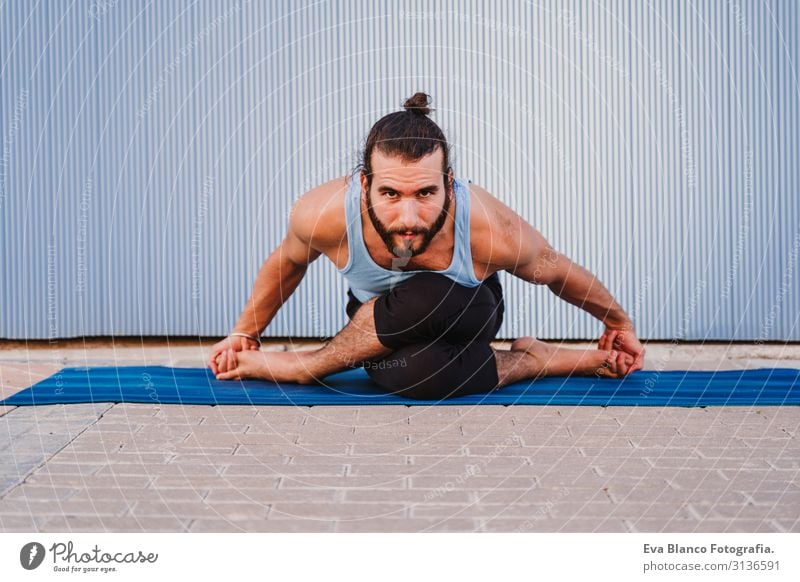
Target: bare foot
[[554, 361], [275, 366]]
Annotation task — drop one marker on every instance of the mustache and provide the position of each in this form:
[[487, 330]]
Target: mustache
[[407, 230]]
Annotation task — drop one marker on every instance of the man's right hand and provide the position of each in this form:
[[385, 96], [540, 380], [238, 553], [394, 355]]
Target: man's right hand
[[219, 360], [626, 342]]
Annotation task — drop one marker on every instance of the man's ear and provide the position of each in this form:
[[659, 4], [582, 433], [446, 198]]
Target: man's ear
[[364, 187], [450, 180]]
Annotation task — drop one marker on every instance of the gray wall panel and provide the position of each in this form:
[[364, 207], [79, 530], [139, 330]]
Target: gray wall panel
[[152, 151]]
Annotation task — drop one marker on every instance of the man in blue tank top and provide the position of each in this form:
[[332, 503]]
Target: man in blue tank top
[[421, 251]]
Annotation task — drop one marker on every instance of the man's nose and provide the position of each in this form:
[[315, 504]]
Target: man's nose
[[408, 214]]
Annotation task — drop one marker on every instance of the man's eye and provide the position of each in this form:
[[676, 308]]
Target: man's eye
[[390, 194], [425, 193]]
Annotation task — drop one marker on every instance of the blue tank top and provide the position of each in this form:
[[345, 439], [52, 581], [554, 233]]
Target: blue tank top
[[368, 279]]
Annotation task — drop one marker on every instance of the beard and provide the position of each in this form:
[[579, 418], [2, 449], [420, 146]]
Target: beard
[[405, 248]]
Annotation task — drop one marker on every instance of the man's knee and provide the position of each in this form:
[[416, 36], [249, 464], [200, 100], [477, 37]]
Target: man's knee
[[437, 371], [414, 382], [413, 309]]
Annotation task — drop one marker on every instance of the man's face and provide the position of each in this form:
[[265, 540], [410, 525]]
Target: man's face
[[407, 203]]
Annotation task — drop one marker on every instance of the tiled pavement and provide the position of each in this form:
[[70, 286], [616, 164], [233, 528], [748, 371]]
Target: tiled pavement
[[139, 467]]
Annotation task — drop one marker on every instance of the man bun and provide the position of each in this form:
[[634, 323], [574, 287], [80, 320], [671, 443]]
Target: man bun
[[418, 103]]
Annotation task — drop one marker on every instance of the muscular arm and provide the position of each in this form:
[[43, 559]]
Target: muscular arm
[[521, 250], [281, 273], [571, 282]]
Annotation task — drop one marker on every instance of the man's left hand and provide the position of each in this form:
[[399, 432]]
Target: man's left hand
[[626, 341]]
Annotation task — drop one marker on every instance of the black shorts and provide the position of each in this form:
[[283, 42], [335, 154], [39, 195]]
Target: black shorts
[[439, 332]]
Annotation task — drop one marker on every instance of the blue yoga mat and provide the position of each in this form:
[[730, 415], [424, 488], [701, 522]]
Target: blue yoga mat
[[157, 384]]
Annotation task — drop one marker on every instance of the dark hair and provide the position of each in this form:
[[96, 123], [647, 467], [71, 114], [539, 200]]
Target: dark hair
[[409, 135]]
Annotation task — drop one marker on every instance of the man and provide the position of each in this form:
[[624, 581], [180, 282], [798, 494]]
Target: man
[[421, 251]]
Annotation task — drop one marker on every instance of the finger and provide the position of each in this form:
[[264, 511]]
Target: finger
[[232, 375], [612, 362], [222, 362], [604, 371], [624, 363], [212, 362], [617, 343], [232, 361]]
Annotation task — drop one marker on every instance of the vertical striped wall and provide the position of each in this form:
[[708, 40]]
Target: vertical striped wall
[[152, 150]]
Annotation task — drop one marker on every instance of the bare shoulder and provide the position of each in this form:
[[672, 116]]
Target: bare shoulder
[[317, 217], [497, 231]]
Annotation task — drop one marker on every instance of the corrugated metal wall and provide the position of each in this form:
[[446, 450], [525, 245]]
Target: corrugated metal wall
[[152, 150]]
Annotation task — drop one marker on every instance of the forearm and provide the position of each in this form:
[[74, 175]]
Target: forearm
[[581, 288], [276, 281]]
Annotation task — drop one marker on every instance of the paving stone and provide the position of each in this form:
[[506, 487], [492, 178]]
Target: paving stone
[[583, 525], [732, 452], [129, 409], [71, 455], [785, 498], [83, 523], [476, 482], [275, 469], [407, 525], [248, 438], [707, 464], [651, 525], [230, 428], [788, 525], [679, 496], [39, 492], [21, 523], [218, 460], [552, 455], [624, 511], [43, 476], [360, 460], [64, 507], [741, 511], [202, 482], [737, 431], [407, 496], [443, 468], [200, 509], [135, 494], [690, 443], [780, 464], [785, 480], [348, 482], [111, 426], [432, 432], [627, 467], [537, 496], [417, 450], [150, 469], [205, 525], [291, 449], [519, 511], [271, 496], [661, 525], [340, 511], [272, 414]]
